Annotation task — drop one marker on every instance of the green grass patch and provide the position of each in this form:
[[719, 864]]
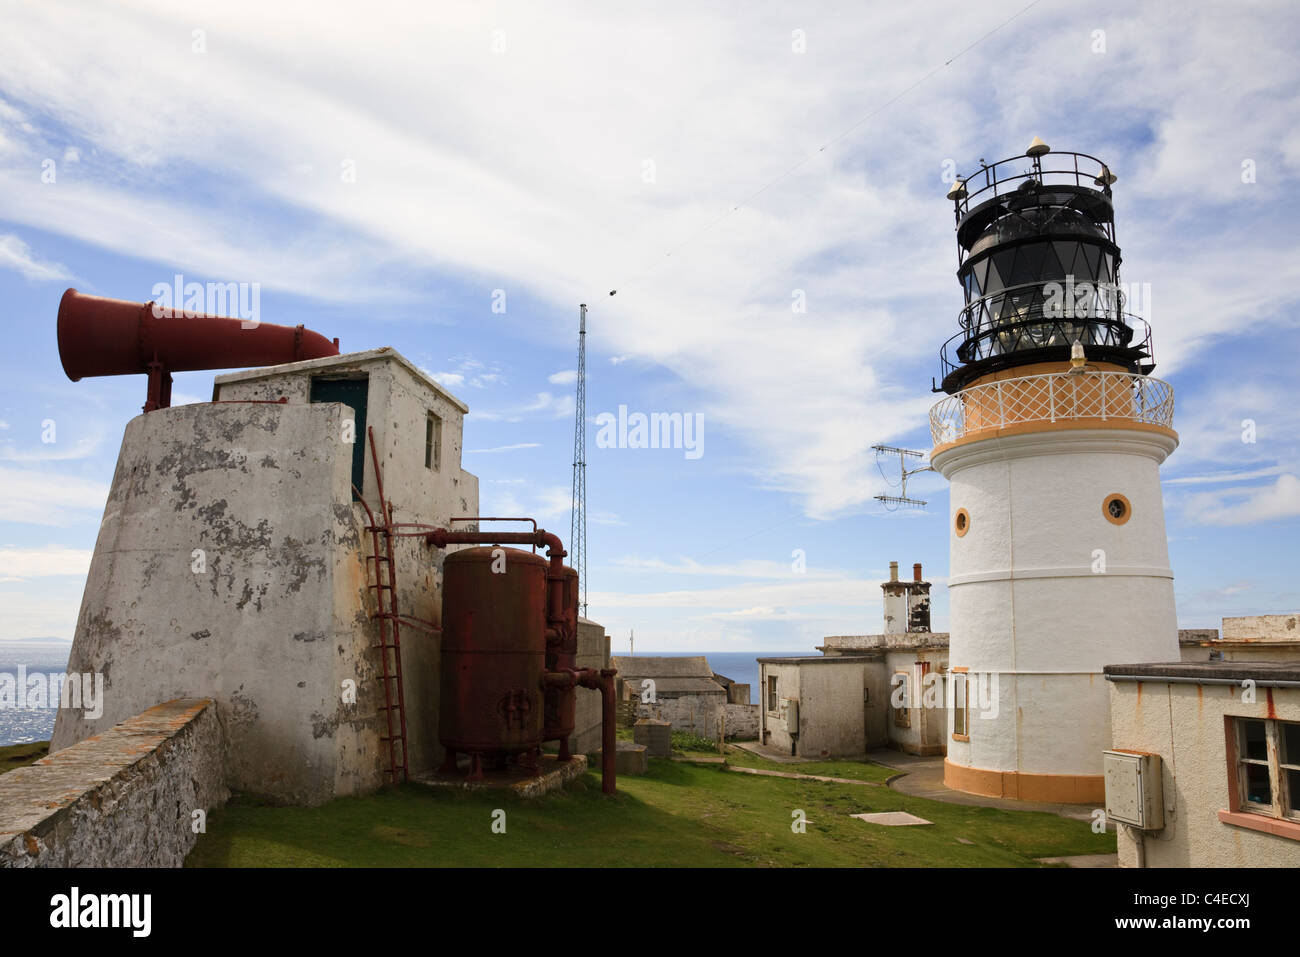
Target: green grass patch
[[20, 755], [677, 815], [689, 743]]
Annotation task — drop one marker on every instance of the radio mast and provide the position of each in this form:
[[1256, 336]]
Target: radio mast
[[578, 509]]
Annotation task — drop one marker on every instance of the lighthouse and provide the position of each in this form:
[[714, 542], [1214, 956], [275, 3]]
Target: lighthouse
[[1051, 436]]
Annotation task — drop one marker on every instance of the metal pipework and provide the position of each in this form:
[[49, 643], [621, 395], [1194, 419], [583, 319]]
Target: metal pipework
[[103, 337], [601, 680], [560, 677]]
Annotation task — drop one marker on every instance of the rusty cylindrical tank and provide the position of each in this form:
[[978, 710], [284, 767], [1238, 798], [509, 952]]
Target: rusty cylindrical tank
[[562, 655], [493, 652]]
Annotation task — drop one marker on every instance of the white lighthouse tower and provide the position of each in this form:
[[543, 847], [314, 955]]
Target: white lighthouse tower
[[1051, 437]]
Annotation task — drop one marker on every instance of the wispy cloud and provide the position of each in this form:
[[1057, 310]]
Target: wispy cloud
[[20, 564], [16, 254], [1245, 506], [505, 448], [43, 497]]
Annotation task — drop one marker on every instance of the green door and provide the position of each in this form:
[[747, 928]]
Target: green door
[[351, 392]]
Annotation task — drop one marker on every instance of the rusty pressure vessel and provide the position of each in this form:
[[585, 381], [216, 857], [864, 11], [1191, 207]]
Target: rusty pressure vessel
[[100, 337], [562, 654], [493, 651]]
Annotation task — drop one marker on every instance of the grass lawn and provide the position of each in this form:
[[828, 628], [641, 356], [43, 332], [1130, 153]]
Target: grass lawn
[[678, 814], [19, 755]]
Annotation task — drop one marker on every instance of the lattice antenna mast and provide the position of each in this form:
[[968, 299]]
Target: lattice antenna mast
[[904, 472], [578, 509]]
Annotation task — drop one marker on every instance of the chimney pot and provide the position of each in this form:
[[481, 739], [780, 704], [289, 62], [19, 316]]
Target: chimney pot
[[916, 572], [893, 571]]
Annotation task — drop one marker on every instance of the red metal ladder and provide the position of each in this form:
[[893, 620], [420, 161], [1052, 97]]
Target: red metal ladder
[[390, 631]]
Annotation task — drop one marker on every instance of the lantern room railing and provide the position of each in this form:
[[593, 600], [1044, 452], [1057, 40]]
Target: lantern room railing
[[1054, 397], [1008, 175]]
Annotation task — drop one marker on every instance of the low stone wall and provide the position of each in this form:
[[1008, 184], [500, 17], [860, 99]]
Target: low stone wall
[[698, 714], [124, 798], [742, 722]]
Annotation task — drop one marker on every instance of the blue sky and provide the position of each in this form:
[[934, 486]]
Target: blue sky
[[702, 165]]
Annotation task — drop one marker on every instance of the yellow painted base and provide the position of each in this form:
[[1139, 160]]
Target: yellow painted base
[[1022, 786]]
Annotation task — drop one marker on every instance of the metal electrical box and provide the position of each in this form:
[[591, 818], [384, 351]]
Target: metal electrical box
[[1134, 789], [790, 714]]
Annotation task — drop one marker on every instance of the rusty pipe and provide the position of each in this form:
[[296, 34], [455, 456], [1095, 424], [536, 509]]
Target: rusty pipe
[[603, 681], [104, 337], [442, 537]]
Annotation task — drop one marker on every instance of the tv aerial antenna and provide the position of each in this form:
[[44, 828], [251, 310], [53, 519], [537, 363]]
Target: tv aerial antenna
[[893, 502]]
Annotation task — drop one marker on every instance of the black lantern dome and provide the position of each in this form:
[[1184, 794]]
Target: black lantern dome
[[1039, 268]]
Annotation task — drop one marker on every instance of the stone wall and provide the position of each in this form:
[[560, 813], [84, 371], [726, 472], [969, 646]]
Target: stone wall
[[125, 798], [741, 721], [696, 713]]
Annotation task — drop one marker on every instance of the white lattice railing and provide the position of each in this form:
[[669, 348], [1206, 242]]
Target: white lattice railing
[[1055, 397]]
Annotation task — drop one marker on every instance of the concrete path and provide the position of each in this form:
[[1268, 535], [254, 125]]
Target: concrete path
[[769, 754], [801, 777], [923, 777]]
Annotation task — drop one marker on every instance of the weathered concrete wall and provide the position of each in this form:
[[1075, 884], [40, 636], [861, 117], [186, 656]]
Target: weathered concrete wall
[[1184, 724], [277, 625], [593, 652], [927, 727], [123, 799], [831, 715], [772, 730], [833, 719], [1264, 627]]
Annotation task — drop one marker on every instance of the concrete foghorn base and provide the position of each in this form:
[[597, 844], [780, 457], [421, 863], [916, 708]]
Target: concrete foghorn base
[[1021, 786]]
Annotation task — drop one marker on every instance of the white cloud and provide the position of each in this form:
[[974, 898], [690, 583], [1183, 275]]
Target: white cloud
[[44, 497], [443, 181], [567, 377], [15, 254], [451, 380], [19, 564], [505, 448], [1245, 506]]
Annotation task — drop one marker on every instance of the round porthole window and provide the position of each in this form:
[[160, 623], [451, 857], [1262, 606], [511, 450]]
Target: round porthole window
[[1117, 509], [961, 522]]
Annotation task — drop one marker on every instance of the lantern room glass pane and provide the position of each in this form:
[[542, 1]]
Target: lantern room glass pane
[[1066, 252], [1091, 256]]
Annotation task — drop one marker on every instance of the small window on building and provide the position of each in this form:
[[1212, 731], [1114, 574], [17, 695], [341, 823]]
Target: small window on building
[[433, 442], [772, 702], [1268, 766], [960, 707], [900, 699]]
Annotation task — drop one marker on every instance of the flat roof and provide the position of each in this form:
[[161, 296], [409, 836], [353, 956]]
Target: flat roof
[[816, 659], [1234, 670], [382, 354]]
